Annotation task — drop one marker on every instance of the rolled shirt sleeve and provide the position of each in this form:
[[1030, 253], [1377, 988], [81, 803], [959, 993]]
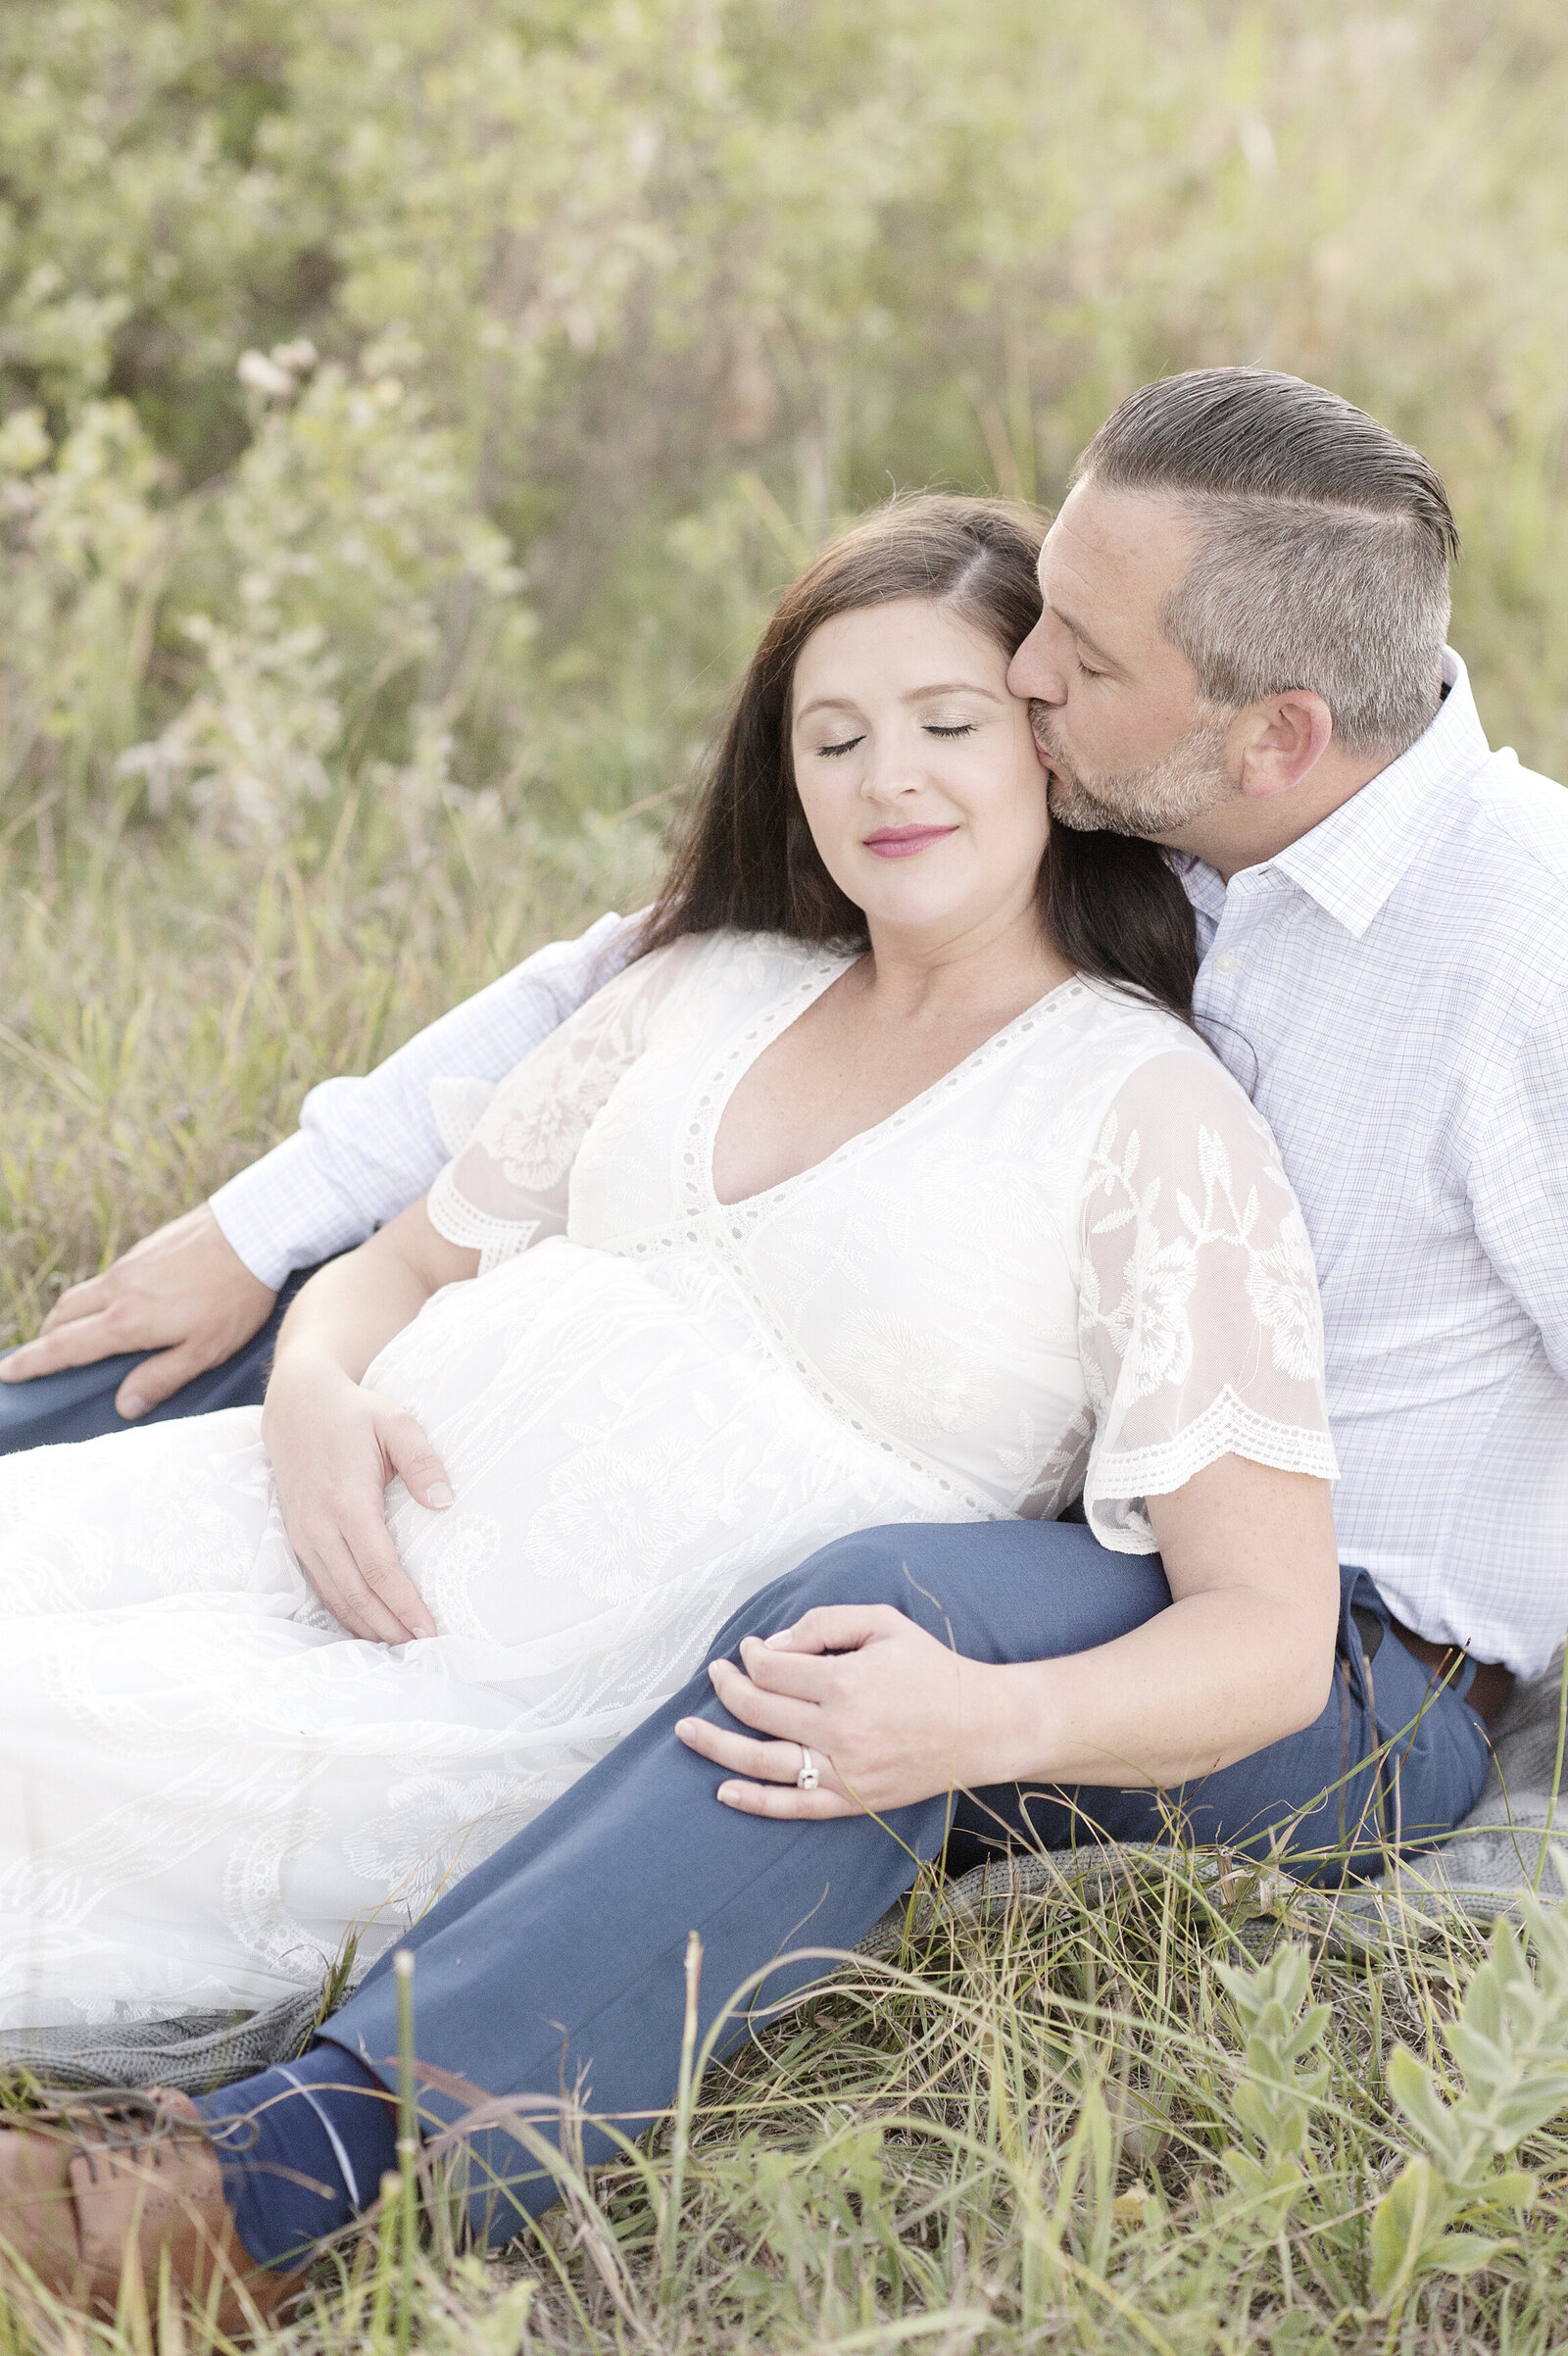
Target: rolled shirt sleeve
[[367, 1148]]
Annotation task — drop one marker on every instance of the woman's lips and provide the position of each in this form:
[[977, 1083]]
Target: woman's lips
[[902, 842]]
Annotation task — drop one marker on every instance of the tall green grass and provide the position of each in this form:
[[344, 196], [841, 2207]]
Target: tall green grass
[[165, 1008], [1150, 2114]]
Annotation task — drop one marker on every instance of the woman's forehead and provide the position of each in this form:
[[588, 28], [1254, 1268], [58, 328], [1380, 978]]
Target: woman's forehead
[[906, 644]]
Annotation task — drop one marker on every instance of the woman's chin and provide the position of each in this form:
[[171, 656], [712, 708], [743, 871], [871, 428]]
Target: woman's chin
[[922, 916]]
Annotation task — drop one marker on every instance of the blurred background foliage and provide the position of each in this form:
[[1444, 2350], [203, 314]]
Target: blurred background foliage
[[431, 393], [410, 407]]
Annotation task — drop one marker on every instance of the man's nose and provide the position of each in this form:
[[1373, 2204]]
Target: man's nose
[[1034, 674]]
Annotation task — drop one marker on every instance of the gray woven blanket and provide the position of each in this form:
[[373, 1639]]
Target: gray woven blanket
[[1508, 1842]]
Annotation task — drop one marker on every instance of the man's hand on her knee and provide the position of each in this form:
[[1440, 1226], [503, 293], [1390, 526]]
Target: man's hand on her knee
[[182, 1292]]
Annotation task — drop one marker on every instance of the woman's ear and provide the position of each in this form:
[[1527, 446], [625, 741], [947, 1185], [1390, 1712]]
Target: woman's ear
[[1278, 742]]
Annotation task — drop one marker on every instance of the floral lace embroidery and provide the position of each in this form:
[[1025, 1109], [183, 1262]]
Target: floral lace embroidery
[[1199, 1313], [1073, 1263]]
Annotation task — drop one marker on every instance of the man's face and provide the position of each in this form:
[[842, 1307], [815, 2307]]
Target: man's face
[[1130, 744]]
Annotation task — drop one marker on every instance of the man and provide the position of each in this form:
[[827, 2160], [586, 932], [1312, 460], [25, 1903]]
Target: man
[[1241, 653]]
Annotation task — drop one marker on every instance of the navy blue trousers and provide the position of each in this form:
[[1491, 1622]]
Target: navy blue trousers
[[558, 1965], [79, 1403]]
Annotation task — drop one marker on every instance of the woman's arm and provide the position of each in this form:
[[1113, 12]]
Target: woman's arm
[[335, 1446], [1243, 1657]]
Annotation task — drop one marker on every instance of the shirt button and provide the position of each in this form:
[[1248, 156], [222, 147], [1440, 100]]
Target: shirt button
[[1226, 962]]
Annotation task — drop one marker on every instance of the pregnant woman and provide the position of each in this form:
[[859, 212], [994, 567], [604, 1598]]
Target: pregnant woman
[[888, 1184]]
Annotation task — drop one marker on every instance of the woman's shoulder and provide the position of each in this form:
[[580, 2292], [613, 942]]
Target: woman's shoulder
[[727, 944], [736, 967], [1168, 1107], [717, 977], [1132, 1068], [1108, 1034], [654, 972]]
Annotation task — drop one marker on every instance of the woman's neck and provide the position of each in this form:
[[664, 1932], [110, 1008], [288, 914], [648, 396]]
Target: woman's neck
[[1000, 963]]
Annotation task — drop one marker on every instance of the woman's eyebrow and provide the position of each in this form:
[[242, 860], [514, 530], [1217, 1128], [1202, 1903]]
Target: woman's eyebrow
[[915, 695], [825, 703], [956, 687]]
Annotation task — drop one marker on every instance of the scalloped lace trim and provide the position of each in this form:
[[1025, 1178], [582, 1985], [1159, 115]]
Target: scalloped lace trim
[[495, 1240], [1227, 1427]]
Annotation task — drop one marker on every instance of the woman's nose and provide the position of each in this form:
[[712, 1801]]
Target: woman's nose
[[892, 770]]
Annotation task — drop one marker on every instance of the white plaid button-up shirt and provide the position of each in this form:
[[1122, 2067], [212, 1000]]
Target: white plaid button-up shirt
[[1392, 992]]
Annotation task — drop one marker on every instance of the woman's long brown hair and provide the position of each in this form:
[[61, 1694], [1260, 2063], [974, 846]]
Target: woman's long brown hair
[[746, 860]]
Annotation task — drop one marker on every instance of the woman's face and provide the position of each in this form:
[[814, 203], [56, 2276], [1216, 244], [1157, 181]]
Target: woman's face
[[917, 771]]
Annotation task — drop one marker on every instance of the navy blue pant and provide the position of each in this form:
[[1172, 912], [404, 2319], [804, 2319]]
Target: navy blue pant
[[79, 1403], [558, 1963]]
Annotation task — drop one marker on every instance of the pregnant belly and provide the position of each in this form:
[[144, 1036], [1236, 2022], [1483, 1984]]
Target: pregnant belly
[[628, 1458]]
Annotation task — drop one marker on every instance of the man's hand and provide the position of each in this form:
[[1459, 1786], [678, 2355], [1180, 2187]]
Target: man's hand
[[182, 1292], [889, 1716], [334, 1446]]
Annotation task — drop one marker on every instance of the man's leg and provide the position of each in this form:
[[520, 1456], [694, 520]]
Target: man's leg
[[557, 1967], [78, 1403]]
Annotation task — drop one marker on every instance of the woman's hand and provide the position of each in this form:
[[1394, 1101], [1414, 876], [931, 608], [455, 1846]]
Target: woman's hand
[[888, 1715], [334, 1446], [1241, 1656]]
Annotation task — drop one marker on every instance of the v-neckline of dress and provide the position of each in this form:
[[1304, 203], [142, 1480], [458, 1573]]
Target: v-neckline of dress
[[771, 1026]]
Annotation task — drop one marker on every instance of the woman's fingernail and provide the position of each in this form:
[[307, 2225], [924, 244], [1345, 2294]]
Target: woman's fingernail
[[781, 1639], [438, 1495], [683, 1727], [134, 1406]]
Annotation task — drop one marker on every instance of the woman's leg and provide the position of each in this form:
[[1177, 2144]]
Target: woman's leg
[[142, 1516], [559, 1962]]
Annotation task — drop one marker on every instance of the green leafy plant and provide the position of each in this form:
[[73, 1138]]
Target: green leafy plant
[[1509, 2043], [1284, 2073]]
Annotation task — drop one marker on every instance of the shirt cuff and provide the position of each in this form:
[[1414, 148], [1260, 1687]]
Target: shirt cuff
[[281, 1215]]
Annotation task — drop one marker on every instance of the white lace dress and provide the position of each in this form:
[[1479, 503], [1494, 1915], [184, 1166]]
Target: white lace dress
[[1072, 1266]]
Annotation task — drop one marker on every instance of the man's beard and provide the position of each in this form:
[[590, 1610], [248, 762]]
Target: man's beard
[[1154, 801]]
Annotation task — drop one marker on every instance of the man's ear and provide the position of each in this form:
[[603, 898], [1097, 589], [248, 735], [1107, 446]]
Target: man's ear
[[1278, 742]]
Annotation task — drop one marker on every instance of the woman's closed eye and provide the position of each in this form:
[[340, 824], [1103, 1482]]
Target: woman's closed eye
[[943, 728]]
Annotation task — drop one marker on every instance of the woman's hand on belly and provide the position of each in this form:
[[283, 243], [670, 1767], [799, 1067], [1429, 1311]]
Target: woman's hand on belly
[[334, 1446], [888, 1715]]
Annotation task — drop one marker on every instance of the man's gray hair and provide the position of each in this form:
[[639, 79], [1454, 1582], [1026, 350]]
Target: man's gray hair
[[1323, 545]]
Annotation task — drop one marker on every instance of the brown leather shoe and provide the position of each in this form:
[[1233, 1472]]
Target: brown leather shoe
[[98, 2185]]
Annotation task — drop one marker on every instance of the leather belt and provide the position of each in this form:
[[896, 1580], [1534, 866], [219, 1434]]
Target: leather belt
[[1491, 1685]]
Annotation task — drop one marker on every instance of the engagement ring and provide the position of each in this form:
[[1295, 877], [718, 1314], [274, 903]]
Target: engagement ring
[[808, 1779]]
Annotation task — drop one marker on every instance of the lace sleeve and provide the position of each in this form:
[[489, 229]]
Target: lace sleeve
[[513, 1148], [1198, 1321]]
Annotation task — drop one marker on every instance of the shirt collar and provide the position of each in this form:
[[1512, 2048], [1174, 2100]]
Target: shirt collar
[[1351, 863]]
